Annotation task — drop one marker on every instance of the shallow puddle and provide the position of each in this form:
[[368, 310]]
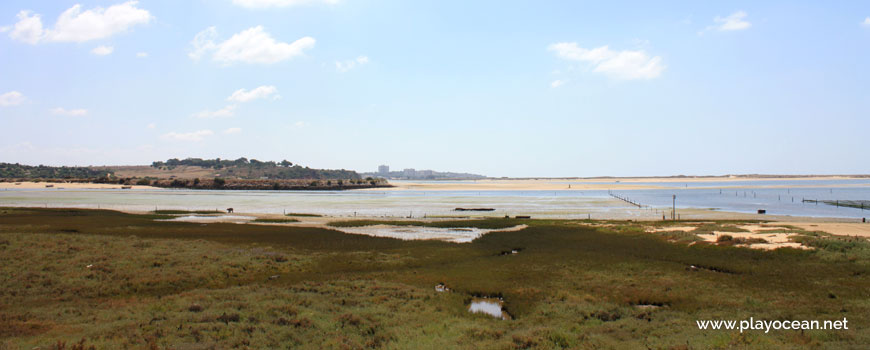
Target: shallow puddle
[[456, 235], [212, 218], [489, 306]]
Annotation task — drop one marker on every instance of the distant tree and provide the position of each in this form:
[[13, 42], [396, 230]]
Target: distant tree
[[218, 182]]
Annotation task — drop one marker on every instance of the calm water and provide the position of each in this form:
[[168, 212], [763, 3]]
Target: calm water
[[492, 307], [785, 199]]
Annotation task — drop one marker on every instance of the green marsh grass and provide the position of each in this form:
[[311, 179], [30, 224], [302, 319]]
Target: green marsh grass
[[179, 285]]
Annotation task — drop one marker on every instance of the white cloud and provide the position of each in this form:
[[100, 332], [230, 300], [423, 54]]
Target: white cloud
[[242, 95], [28, 28], [75, 25], [103, 50], [195, 136], [12, 98], [253, 45], [142, 54], [255, 4], [80, 112], [557, 83], [866, 22], [627, 64], [232, 131], [351, 64], [5, 29], [734, 21], [221, 113], [151, 126], [300, 124]]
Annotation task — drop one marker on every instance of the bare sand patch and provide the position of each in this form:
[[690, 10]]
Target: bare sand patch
[[774, 240], [774, 235], [835, 228]]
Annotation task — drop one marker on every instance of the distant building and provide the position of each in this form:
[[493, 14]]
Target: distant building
[[384, 170], [409, 173]]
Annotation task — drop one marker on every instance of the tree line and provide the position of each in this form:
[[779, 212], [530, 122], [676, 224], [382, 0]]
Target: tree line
[[21, 171], [244, 168]]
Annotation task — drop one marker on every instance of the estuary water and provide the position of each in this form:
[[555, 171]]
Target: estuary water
[[777, 197]]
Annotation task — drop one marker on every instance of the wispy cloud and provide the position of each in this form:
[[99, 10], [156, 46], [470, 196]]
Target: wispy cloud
[[733, 22], [142, 54], [557, 83], [79, 112], [242, 95], [75, 25], [193, 136], [625, 65], [225, 112], [253, 45], [231, 131], [351, 64], [866, 23], [12, 98], [103, 50]]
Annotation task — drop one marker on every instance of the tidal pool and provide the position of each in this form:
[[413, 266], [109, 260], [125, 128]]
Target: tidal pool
[[489, 306]]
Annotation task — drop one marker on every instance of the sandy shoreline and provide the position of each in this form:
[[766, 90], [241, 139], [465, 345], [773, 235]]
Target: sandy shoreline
[[66, 185], [542, 184], [556, 184]]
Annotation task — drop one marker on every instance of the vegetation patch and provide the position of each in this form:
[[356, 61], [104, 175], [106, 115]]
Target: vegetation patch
[[304, 215], [125, 281], [275, 221]]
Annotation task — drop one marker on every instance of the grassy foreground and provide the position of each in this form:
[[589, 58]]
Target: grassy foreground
[[80, 279]]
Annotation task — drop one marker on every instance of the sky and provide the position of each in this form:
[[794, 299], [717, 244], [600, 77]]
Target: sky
[[499, 88]]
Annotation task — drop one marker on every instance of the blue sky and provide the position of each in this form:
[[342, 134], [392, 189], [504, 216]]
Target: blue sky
[[499, 88]]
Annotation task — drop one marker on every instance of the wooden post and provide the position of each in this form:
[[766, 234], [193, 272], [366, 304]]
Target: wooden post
[[674, 208]]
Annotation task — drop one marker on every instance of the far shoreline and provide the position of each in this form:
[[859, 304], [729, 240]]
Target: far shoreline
[[488, 184]]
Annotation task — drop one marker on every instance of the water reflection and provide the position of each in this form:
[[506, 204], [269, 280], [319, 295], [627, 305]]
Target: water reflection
[[489, 306]]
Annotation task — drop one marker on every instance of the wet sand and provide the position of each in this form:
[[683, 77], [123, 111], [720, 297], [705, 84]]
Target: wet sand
[[834, 228]]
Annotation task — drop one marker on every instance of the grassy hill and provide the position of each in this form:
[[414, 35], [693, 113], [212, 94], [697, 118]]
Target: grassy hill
[[197, 173]]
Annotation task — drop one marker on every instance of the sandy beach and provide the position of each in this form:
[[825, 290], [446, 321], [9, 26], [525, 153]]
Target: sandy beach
[[553, 184], [65, 185]]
